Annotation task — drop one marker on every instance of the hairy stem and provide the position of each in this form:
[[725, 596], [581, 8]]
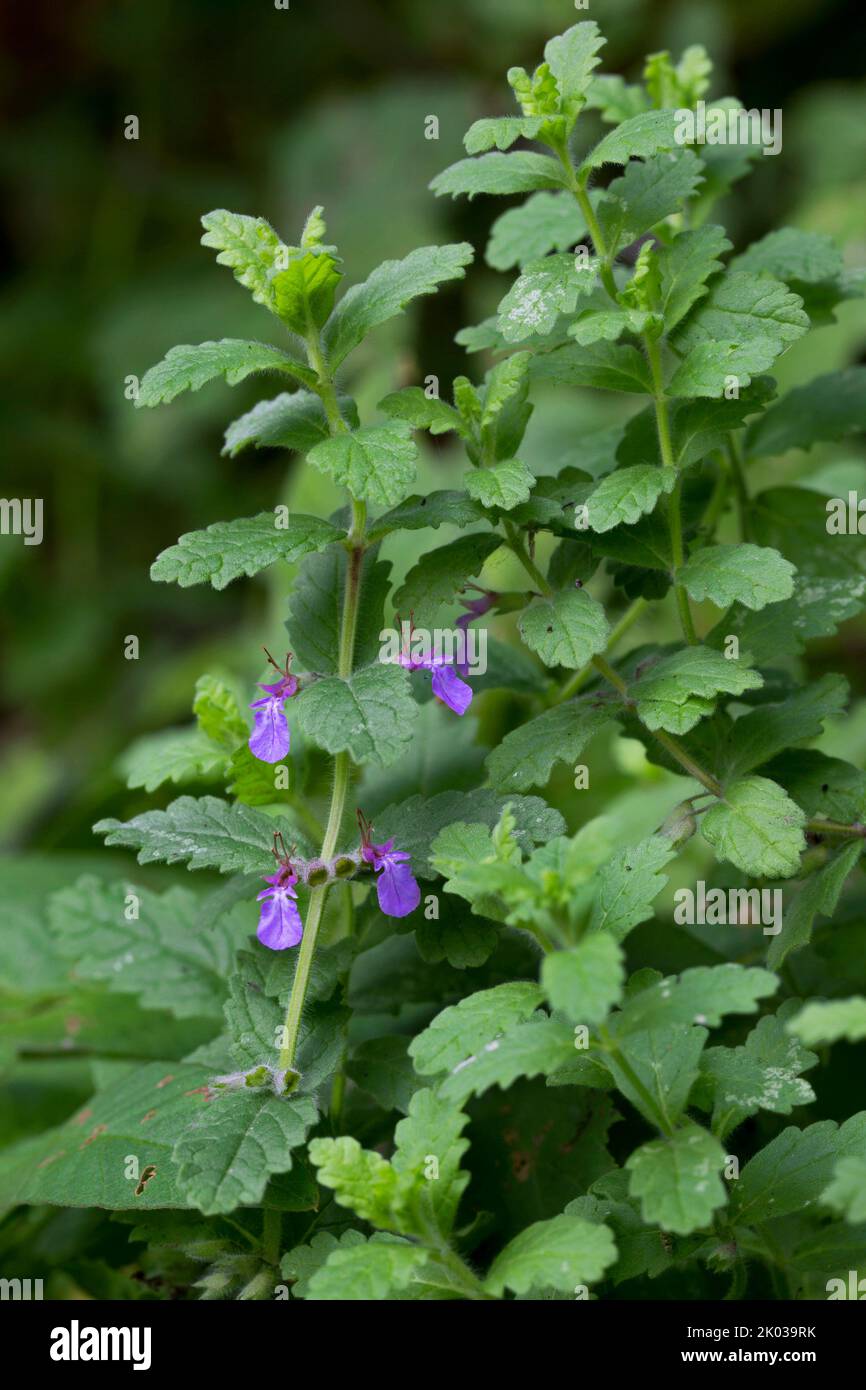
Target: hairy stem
[[585, 674], [516, 544]]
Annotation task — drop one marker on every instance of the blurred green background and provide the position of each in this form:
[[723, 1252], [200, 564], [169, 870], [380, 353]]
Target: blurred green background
[[270, 111]]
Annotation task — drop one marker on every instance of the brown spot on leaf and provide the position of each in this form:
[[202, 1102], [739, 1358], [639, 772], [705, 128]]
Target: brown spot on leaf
[[94, 1134], [82, 1116], [51, 1159], [149, 1116], [164, 1082], [146, 1175]]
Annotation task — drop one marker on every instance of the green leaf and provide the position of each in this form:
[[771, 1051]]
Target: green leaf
[[445, 508], [229, 549], [235, 1144], [702, 995], [656, 1070], [846, 1193], [316, 609], [163, 954], [376, 463], [585, 981], [382, 1068], [531, 1048], [683, 269], [504, 485], [461, 938], [421, 411], [304, 290], [522, 171], [218, 713], [545, 289], [545, 222], [188, 368], [764, 1074], [828, 408], [615, 99], [205, 831], [525, 756], [560, 1254], [638, 137], [741, 306], [753, 575], [682, 688], [433, 1127], [769, 729], [565, 630], [500, 132], [608, 366], [594, 325], [709, 366], [84, 1162], [370, 714], [249, 246], [375, 1270], [647, 193], [441, 574], [819, 895], [386, 292], [174, 755], [838, 1020], [810, 263], [677, 1179], [571, 57], [465, 1028], [288, 421], [626, 494], [787, 1175], [757, 828], [300, 1264], [628, 884]]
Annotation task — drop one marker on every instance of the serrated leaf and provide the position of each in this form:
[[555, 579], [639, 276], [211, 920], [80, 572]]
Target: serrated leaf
[[162, 954], [793, 255], [370, 714], [504, 485], [708, 367], [789, 1173], [465, 1028], [434, 1127], [188, 368], [846, 1193], [525, 756], [585, 981], [418, 821], [521, 171], [375, 1270], [628, 884], [441, 574], [289, 421], [757, 828], [304, 289], [702, 995], [500, 132], [647, 192], [421, 411], [560, 1254], [460, 937], [766, 731], [608, 366], [229, 549], [389, 289], [174, 755], [626, 494], [677, 1179], [820, 894], [752, 575], [741, 306], [638, 137], [565, 630], [205, 831], [300, 1264], [316, 608], [545, 289], [656, 1070], [683, 269], [376, 463], [445, 508], [382, 1068], [571, 57], [545, 222], [529, 1049], [596, 325], [681, 689], [226, 1156], [828, 408], [835, 1021], [249, 246], [764, 1074]]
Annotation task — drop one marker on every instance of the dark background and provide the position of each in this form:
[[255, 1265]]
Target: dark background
[[269, 112]]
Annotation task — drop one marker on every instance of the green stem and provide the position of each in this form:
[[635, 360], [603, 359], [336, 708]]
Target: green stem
[[516, 544], [582, 198], [737, 473], [835, 827], [658, 1117], [675, 524], [272, 1230]]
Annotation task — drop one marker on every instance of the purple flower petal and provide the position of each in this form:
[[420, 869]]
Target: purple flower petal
[[280, 924], [270, 738], [397, 889], [451, 690]]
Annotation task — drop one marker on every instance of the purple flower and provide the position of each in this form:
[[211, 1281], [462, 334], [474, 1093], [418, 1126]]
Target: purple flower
[[448, 688], [280, 924], [270, 738], [396, 887]]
